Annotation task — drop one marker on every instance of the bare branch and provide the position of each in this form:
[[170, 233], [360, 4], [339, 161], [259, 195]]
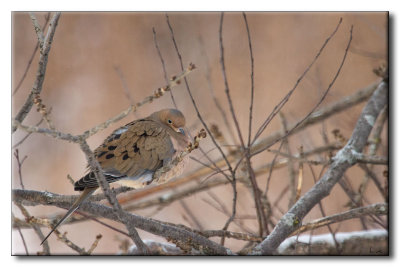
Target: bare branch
[[214, 97], [344, 159], [47, 17], [291, 171], [378, 209], [36, 228], [278, 107], [169, 198], [189, 212], [38, 30], [20, 233], [124, 84], [227, 90], [52, 133], [29, 133], [372, 175], [251, 77], [95, 243], [149, 225], [163, 64], [37, 86], [20, 162]]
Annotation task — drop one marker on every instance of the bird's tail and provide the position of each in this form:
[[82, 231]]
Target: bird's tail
[[87, 192]]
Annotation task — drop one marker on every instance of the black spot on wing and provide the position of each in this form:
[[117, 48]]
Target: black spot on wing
[[109, 156], [135, 148], [101, 154], [112, 147]]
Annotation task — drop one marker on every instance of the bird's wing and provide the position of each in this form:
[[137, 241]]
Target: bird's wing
[[131, 151]]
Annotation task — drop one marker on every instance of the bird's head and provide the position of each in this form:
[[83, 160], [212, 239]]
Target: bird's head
[[173, 119]]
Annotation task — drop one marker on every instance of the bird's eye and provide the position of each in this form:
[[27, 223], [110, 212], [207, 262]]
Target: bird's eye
[[169, 121]]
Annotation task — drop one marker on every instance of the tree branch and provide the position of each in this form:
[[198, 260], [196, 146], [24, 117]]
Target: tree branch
[[171, 233], [378, 209], [344, 159], [37, 86]]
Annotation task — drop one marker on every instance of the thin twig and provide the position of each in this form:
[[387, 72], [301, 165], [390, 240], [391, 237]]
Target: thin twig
[[29, 133], [95, 243], [278, 107], [23, 240], [373, 177], [41, 108], [323, 213], [227, 90], [329, 86], [251, 77], [191, 214], [214, 97], [169, 198], [158, 175], [20, 162], [37, 86], [36, 228], [378, 209], [47, 18], [291, 171], [300, 175], [163, 64], [372, 149], [52, 133], [224, 210], [272, 168], [124, 84]]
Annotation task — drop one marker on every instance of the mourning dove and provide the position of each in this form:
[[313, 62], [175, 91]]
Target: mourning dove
[[134, 152]]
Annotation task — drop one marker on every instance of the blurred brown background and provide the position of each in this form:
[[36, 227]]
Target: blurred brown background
[[83, 89]]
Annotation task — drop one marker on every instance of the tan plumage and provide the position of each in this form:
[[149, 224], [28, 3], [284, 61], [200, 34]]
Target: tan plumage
[[132, 153]]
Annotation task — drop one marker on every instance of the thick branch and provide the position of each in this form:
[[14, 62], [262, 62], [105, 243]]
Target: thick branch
[[169, 232], [343, 160]]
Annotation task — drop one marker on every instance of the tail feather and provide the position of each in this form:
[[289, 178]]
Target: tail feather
[[87, 192]]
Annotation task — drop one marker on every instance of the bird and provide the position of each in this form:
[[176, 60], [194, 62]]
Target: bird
[[133, 153]]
